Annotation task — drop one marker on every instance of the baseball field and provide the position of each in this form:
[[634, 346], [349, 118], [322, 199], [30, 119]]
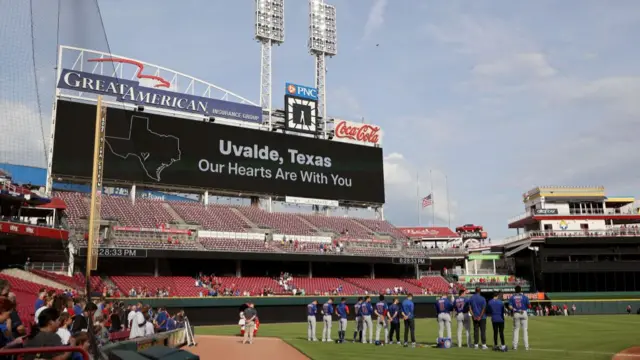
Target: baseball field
[[556, 337]]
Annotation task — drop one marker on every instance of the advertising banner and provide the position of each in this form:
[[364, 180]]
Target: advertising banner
[[157, 150], [357, 133], [428, 232], [546, 211], [130, 91]]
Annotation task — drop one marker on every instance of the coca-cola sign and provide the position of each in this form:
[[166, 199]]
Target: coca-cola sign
[[428, 232], [352, 132]]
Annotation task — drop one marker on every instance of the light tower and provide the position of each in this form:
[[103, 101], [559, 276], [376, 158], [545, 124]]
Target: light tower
[[269, 31], [323, 39]]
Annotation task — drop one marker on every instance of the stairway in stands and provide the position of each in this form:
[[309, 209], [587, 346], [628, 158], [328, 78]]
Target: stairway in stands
[[173, 213], [25, 275]]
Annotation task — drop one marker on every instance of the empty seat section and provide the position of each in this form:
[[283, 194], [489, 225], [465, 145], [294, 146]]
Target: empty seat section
[[179, 285], [379, 286], [282, 223], [212, 217], [339, 225]]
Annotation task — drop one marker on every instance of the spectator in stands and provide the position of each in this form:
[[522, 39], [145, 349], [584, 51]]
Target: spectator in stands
[[149, 329], [101, 330], [17, 328], [45, 335], [40, 301], [81, 322], [81, 340], [6, 307], [63, 332], [136, 322], [48, 301]]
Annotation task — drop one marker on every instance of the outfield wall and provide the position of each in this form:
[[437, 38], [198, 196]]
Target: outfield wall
[[271, 309], [592, 303]]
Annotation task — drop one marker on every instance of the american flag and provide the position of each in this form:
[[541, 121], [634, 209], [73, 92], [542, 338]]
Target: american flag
[[427, 200]]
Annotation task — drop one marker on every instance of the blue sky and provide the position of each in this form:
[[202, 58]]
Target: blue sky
[[498, 95]]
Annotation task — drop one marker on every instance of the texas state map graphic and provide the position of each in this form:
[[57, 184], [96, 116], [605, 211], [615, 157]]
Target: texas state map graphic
[[155, 152]]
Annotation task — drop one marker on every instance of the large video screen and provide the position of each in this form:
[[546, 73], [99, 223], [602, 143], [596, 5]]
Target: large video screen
[[151, 149]]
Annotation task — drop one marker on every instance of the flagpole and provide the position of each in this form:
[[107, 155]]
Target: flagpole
[[418, 198], [446, 181], [433, 201]]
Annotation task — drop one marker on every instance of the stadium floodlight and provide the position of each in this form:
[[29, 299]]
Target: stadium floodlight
[[323, 42], [269, 30], [323, 34]]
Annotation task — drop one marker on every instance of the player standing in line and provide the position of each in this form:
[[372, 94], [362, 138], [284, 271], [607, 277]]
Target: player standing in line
[[312, 309], [394, 320], [519, 304], [343, 311], [357, 333], [462, 316], [477, 308], [443, 309], [382, 322], [327, 313], [367, 325], [407, 310], [496, 310]]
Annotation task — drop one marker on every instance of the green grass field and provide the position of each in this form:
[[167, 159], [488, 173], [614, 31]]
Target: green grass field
[[573, 337]]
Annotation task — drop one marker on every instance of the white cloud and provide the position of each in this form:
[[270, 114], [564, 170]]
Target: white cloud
[[375, 19], [406, 185], [534, 65], [20, 134]]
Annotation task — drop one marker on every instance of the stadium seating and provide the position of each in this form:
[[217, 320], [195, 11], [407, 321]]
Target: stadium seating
[[69, 281], [77, 208], [144, 213], [245, 245], [339, 225], [435, 284], [180, 285], [381, 227], [156, 244], [212, 217], [95, 281], [282, 223], [378, 286], [323, 286]]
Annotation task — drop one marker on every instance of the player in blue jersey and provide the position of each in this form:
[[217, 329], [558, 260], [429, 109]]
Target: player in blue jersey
[[495, 308], [461, 306], [343, 311], [407, 310], [312, 309], [327, 314], [382, 320], [443, 311], [366, 310], [478, 310], [394, 320], [519, 304], [357, 333]]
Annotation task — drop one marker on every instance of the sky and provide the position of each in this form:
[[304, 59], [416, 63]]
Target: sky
[[479, 101]]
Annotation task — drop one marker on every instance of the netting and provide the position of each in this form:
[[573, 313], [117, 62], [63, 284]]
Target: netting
[[30, 33]]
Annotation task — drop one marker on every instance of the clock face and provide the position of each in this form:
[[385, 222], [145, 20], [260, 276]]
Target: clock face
[[301, 114]]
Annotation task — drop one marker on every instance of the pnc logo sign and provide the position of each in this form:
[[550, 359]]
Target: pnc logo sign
[[300, 91]]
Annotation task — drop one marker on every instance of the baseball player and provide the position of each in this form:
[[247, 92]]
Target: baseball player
[[382, 321], [461, 306], [367, 325], [444, 309], [312, 309], [343, 311], [519, 304], [357, 333], [477, 308], [407, 311], [394, 320], [495, 308], [327, 312]]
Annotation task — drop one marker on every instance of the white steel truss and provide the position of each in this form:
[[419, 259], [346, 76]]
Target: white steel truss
[[265, 79]]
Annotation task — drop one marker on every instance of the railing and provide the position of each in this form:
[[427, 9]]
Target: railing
[[611, 212], [52, 266], [45, 350], [630, 232]]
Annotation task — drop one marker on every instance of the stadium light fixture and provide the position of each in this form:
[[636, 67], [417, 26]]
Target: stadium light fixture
[[323, 42], [269, 30]]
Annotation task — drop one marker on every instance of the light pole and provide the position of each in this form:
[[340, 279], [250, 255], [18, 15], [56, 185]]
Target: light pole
[[269, 31], [323, 39]]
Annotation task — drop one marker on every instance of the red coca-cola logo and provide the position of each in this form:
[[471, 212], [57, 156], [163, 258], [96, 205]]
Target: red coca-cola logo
[[364, 133]]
